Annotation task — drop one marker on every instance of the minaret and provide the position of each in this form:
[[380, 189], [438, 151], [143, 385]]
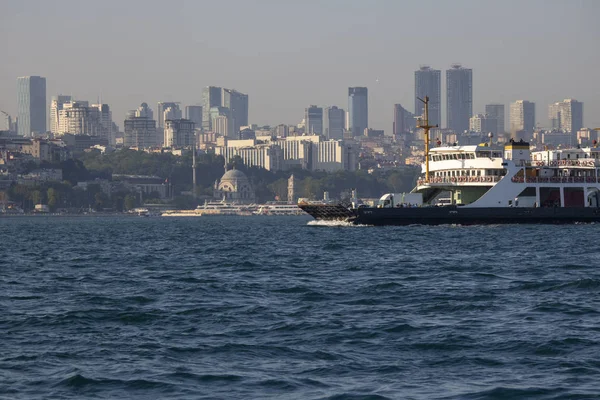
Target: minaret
[[291, 194], [194, 168]]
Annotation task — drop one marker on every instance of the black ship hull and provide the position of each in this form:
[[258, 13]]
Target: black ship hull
[[452, 215]]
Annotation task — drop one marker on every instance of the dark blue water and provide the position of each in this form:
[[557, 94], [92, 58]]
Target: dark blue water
[[273, 308]]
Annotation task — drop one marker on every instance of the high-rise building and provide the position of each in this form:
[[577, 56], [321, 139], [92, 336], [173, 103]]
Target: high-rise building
[[313, 117], [238, 105], [79, 118], [172, 112], [162, 106], [106, 123], [522, 119], [211, 97], [140, 132], [400, 117], [358, 110], [56, 104], [554, 116], [333, 123], [31, 103], [194, 114], [282, 130], [566, 115], [179, 133], [428, 83], [496, 111], [483, 123], [225, 124], [144, 111], [459, 98]]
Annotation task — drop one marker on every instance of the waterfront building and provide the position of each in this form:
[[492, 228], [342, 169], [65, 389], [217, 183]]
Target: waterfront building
[[211, 97], [522, 119], [459, 98], [31, 103], [358, 110], [313, 117], [238, 107], [56, 105], [162, 106], [496, 111], [194, 114], [333, 123], [428, 83], [566, 115], [178, 133]]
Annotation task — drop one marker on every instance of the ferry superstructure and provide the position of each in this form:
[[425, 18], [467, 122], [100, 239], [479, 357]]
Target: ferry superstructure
[[488, 175]]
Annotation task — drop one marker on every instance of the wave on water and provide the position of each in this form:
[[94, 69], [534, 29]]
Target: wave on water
[[320, 222]]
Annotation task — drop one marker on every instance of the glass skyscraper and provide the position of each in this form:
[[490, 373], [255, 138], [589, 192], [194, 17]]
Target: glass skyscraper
[[459, 98], [238, 105], [313, 117], [31, 104], [428, 83], [358, 110], [211, 97]]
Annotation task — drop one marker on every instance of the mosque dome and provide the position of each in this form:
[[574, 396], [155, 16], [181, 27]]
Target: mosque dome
[[234, 187], [234, 175]]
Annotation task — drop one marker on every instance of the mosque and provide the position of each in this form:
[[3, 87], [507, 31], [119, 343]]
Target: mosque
[[234, 187]]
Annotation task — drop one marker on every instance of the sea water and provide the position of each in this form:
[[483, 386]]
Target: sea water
[[282, 308]]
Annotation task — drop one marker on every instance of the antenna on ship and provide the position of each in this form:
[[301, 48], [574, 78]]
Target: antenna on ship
[[424, 124]]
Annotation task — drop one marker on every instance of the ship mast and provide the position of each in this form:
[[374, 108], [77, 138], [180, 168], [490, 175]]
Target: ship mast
[[424, 123]]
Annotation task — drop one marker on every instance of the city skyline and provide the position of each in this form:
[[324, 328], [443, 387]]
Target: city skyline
[[510, 64]]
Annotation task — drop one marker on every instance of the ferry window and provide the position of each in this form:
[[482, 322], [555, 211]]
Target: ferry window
[[568, 156], [577, 155], [478, 172]]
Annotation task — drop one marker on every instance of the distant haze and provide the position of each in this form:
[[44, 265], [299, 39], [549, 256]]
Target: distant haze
[[287, 55]]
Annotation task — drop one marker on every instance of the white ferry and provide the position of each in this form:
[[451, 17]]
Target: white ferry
[[488, 184], [279, 208], [212, 208]]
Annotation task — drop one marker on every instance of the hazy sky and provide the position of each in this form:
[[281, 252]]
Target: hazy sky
[[289, 54]]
